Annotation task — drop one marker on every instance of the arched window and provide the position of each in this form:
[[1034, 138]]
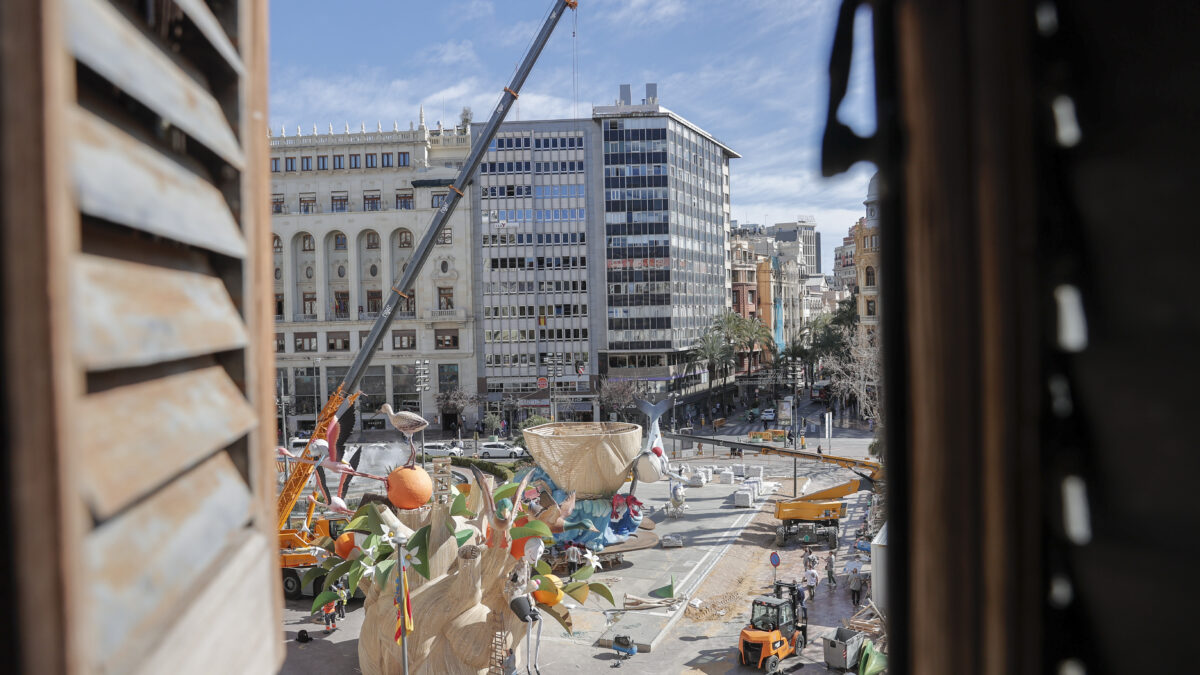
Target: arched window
[[339, 242], [307, 244], [372, 240], [406, 239], [277, 244], [870, 276]]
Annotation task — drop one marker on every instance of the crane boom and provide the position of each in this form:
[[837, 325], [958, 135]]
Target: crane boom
[[341, 399]]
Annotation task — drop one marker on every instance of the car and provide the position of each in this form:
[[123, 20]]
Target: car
[[439, 449], [500, 449], [768, 414]]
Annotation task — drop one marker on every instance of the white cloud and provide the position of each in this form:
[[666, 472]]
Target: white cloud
[[450, 53], [641, 12]]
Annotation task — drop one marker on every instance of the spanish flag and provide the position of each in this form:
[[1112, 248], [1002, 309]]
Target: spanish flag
[[404, 622]]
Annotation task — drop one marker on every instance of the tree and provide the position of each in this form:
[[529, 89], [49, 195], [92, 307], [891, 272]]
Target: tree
[[491, 422], [716, 353], [858, 373], [616, 395], [465, 117], [531, 421], [455, 400]]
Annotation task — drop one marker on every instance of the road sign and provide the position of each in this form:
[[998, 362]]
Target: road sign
[[543, 383], [774, 558]]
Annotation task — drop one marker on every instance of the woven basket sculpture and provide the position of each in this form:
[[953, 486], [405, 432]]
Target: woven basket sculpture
[[590, 458]]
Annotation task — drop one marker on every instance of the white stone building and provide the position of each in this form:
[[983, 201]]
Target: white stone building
[[348, 210]]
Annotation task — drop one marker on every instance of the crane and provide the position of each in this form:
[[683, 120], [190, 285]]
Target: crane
[[343, 397]]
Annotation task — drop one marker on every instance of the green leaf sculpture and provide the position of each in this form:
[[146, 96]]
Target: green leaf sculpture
[[383, 570], [532, 528], [463, 536], [577, 590], [542, 567], [337, 572], [354, 576], [603, 591], [560, 614], [584, 572], [327, 596], [459, 507]]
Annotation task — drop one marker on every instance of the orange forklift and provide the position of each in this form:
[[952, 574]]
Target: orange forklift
[[778, 628]]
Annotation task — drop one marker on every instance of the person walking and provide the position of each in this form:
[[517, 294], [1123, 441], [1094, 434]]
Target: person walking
[[856, 585], [329, 609], [341, 601], [830, 566], [573, 558], [810, 577], [812, 560]]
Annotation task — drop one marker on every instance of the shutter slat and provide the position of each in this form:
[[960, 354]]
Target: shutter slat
[[142, 565], [108, 44], [142, 435], [203, 17], [224, 641], [129, 314], [122, 180]]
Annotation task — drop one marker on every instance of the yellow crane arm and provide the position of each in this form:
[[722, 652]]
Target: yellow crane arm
[[290, 493]]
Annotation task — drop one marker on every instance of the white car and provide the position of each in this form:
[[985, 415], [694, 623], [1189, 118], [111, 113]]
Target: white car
[[498, 449], [438, 449], [768, 414]]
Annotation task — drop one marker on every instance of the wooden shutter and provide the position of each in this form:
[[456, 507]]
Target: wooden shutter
[[138, 379]]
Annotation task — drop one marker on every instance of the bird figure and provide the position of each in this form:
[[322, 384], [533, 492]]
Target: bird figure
[[555, 515], [408, 424], [500, 523]]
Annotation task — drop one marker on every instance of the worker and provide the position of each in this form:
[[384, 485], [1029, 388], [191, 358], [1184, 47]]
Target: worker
[[830, 563], [855, 583], [341, 601], [329, 609], [812, 560], [810, 577], [574, 557]]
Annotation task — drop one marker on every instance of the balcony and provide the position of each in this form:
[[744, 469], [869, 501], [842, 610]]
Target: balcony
[[341, 315], [304, 317], [365, 316], [869, 320], [405, 315], [443, 314]]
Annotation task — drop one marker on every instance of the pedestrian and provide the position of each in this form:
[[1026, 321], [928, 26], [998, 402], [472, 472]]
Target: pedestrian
[[329, 609], [573, 559], [818, 448], [830, 566], [806, 557], [766, 424], [341, 601], [856, 584], [810, 576], [812, 560], [510, 662]]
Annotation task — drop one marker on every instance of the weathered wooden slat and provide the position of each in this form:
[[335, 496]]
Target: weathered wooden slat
[[210, 638], [165, 426], [122, 180], [101, 38], [144, 563], [203, 17], [129, 314]]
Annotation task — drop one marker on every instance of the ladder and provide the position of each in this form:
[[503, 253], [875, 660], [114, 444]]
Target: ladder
[[499, 653]]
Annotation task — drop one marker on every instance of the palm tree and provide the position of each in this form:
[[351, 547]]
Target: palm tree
[[715, 351]]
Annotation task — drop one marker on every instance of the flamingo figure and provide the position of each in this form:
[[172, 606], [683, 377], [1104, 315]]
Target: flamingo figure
[[408, 424]]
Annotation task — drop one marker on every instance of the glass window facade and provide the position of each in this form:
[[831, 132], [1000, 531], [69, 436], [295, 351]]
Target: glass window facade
[[665, 232]]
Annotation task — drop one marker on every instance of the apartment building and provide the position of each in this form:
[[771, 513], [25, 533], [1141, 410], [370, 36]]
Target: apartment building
[[348, 209], [844, 275], [866, 258]]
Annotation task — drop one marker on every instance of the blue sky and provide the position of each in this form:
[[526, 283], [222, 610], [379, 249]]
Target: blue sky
[[751, 72]]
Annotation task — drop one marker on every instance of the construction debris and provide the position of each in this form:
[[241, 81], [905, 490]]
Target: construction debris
[[869, 621]]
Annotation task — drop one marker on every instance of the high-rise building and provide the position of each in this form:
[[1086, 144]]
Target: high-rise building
[[666, 218], [348, 209], [803, 236], [537, 314], [602, 249]]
